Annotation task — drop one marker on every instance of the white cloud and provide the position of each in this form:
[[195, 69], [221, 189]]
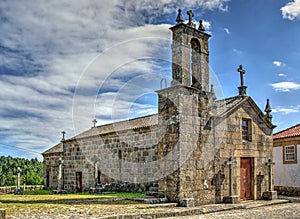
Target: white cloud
[[282, 75], [237, 51], [286, 110], [227, 30], [291, 10], [278, 63], [62, 52], [285, 86]]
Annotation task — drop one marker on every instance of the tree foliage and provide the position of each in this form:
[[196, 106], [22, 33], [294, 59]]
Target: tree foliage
[[32, 171]]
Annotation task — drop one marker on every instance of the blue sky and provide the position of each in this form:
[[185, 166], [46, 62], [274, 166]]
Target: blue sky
[[63, 63]]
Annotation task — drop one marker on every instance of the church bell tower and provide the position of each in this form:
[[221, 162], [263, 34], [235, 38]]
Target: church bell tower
[[184, 111], [190, 62]]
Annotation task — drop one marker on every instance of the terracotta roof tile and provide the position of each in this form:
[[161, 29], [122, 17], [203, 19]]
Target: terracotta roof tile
[[289, 132]]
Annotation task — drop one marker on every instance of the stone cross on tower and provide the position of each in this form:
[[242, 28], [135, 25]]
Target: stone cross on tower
[[94, 123], [191, 15], [242, 72], [270, 163], [242, 88], [231, 163], [63, 135]]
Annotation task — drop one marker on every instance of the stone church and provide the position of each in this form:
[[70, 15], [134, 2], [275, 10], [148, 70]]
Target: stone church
[[196, 150]]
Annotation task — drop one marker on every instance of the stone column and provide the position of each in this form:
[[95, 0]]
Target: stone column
[[59, 176], [19, 170], [232, 199], [270, 195], [18, 190]]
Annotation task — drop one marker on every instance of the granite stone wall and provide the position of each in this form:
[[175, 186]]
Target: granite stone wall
[[51, 168], [124, 156]]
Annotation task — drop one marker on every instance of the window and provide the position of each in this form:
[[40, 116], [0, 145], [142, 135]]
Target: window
[[246, 130], [289, 156]]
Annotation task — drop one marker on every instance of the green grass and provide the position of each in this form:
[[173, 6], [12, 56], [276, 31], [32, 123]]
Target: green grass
[[39, 192], [44, 199]]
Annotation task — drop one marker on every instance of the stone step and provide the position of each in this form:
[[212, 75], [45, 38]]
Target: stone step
[[152, 193]]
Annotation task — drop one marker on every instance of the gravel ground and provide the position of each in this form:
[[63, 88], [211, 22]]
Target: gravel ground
[[282, 211], [253, 209]]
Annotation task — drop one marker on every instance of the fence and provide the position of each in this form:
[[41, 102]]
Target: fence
[[11, 189]]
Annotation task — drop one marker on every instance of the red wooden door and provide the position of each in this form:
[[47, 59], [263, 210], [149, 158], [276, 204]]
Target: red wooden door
[[245, 184]]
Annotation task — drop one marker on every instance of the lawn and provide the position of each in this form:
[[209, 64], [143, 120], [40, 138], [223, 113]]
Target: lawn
[[45, 205]]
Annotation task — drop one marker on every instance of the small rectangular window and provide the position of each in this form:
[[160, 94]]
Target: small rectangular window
[[289, 156], [246, 130]]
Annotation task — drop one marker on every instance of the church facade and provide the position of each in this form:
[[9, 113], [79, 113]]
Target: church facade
[[196, 150]]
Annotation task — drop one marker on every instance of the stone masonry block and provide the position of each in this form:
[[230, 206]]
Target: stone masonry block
[[270, 195], [2, 213], [231, 199], [187, 202]]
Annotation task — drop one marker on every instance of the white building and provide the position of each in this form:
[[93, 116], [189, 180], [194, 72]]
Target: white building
[[287, 159]]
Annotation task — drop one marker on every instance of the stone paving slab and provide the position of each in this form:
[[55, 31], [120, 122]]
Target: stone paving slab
[[293, 199], [205, 209]]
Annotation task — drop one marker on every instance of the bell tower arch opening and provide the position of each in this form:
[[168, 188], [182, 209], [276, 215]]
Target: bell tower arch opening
[[190, 55], [195, 63]]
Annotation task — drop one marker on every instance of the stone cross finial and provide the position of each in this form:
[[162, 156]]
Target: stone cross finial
[[94, 123], [179, 18], [201, 27], [63, 135], [231, 162], [270, 163], [268, 111], [242, 72], [191, 15]]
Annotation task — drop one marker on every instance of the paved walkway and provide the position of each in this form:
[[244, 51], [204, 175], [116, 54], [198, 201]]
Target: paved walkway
[[202, 211], [281, 211], [280, 208]]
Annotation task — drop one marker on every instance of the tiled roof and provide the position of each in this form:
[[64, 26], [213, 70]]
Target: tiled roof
[[55, 149], [289, 132], [130, 124], [225, 105]]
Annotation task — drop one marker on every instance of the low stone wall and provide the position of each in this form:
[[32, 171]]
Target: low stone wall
[[289, 191], [11, 189], [2, 213]]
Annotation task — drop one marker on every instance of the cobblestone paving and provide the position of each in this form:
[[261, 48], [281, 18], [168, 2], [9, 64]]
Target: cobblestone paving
[[282, 211], [257, 209]]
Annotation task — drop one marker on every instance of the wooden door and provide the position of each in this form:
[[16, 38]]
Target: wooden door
[[246, 179], [47, 180], [78, 181]]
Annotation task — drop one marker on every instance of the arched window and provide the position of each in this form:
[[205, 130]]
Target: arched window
[[195, 63]]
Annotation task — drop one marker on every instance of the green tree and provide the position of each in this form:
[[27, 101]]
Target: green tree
[[32, 171]]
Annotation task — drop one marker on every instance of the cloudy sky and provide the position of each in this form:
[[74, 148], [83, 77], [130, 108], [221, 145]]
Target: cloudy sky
[[64, 63]]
